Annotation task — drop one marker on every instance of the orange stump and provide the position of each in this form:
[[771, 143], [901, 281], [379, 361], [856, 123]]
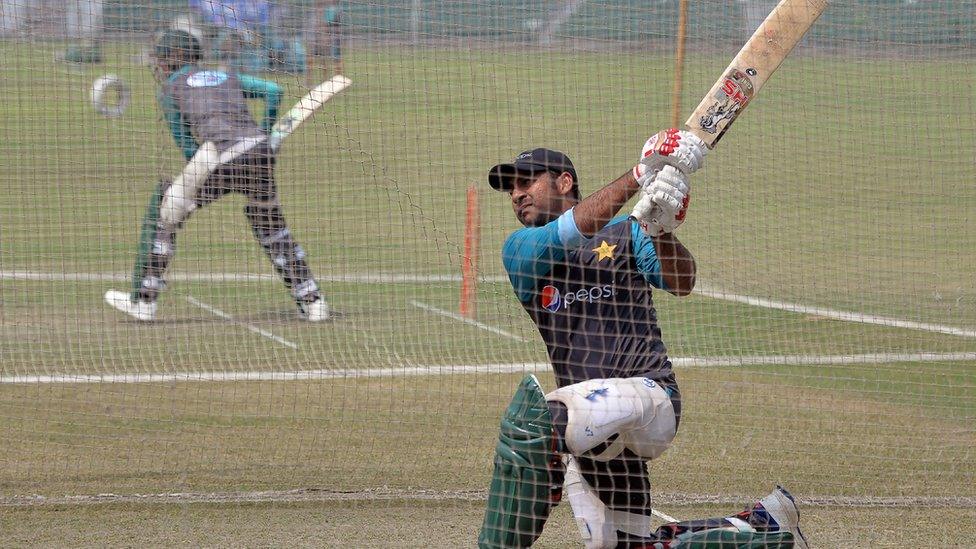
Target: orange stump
[[469, 261]]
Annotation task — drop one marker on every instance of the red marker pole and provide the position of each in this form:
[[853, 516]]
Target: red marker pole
[[469, 261]]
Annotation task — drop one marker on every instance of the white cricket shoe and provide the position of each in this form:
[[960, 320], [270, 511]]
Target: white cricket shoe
[[781, 507], [139, 310], [316, 311]]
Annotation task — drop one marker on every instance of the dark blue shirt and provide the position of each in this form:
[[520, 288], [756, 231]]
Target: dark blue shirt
[[591, 298], [208, 105]]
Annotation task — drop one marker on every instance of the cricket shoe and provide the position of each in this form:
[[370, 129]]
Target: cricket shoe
[[780, 507], [315, 311], [139, 310]]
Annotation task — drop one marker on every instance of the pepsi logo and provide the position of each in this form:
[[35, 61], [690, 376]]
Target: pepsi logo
[[551, 300]]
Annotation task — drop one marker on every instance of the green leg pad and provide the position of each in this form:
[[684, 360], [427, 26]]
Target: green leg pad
[[720, 538], [146, 236], [527, 472]]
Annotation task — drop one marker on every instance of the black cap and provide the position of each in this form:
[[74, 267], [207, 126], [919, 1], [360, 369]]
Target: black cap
[[529, 162], [179, 44]]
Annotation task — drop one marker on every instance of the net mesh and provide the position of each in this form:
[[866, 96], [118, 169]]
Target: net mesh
[[829, 345]]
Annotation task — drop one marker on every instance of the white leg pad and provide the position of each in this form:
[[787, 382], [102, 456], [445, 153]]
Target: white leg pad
[[180, 198], [637, 410], [597, 523], [593, 518]]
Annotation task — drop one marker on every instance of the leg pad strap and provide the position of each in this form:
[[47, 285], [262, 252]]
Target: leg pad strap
[[722, 538]]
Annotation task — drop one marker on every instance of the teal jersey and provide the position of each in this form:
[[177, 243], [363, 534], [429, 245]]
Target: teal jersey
[[525, 250]]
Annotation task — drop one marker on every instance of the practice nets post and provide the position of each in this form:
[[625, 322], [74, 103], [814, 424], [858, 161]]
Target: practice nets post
[[469, 263]]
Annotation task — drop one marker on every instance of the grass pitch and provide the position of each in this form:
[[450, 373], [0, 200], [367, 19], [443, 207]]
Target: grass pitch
[[830, 192]]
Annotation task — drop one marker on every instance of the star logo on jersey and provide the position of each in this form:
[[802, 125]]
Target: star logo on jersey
[[604, 251]]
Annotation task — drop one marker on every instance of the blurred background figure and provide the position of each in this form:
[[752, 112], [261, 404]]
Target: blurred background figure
[[83, 25], [285, 39], [227, 152], [325, 42], [251, 35], [13, 17], [238, 33]]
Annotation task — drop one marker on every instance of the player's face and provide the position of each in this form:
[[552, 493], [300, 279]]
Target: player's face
[[161, 69], [536, 199]]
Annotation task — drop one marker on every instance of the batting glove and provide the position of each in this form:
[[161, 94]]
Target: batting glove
[[681, 149], [663, 202]]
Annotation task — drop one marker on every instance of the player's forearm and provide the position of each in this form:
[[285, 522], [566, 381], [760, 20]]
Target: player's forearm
[[182, 135], [596, 210], [677, 264], [269, 91]]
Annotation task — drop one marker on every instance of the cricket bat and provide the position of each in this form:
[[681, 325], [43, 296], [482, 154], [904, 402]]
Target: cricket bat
[[752, 66], [305, 108]]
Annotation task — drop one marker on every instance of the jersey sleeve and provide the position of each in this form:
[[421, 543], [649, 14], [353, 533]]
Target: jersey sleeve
[[270, 92], [332, 15], [644, 252], [178, 126], [530, 253]]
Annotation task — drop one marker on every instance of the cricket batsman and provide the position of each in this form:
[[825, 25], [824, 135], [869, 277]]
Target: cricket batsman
[[226, 151], [585, 278]]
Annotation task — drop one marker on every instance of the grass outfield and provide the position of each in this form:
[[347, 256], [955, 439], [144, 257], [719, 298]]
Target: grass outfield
[[350, 434], [835, 192], [821, 193], [431, 524], [840, 435]]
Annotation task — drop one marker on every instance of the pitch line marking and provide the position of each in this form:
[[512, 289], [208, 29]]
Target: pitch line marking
[[217, 312], [820, 360], [393, 278], [468, 321], [464, 369], [834, 314], [663, 516], [386, 494], [377, 278]]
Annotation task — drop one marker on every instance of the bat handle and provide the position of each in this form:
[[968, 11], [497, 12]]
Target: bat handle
[[274, 141]]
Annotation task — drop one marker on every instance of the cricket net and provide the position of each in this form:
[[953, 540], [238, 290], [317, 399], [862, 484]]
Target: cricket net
[[829, 346]]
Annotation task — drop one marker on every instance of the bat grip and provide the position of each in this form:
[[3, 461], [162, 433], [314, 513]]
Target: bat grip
[[274, 141]]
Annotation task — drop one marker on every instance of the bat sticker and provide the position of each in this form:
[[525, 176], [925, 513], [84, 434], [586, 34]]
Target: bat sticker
[[730, 98]]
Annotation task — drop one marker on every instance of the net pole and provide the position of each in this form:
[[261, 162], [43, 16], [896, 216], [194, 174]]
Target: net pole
[[679, 63], [469, 262]]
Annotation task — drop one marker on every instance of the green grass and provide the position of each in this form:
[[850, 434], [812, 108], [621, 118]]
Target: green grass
[[351, 434], [416, 524], [841, 187], [377, 326]]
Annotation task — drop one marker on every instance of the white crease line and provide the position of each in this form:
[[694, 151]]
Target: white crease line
[[464, 369], [305, 375], [467, 321], [217, 312], [392, 278], [378, 278], [382, 494], [663, 516], [837, 315], [822, 360]]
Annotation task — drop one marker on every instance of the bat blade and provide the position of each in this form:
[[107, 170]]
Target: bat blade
[[306, 107], [775, 38]]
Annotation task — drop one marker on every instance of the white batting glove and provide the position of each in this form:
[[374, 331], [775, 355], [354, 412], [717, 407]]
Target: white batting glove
[[663, 202], [681, 149]]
